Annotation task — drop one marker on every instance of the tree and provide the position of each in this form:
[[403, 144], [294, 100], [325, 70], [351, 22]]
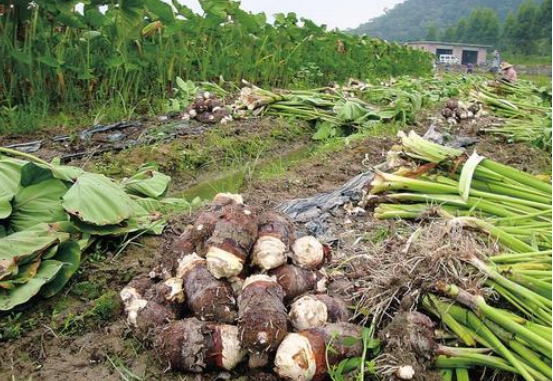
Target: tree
[[544, 20], [461, 32], [508, 33], [432, 33], [449, 34], [526, 30]]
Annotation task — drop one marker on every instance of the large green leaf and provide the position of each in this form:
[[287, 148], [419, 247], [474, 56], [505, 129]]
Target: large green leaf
[[25, 273], [96, 200], [5, 206], [69, 253], [21, 294], [10, 176], [38, 203], [26, 246], [148, 183], [32, 173]]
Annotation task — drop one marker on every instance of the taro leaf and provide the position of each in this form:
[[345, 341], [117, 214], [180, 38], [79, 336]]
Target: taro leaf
[[24, 274], [349, 111], [21, 294], [33, 173], [148, 183], [94, 199], [26, 246], [67, 172], [38, 203], [69, 253], [10, 176], [325, 130], [52, 250], [128, 226], [5, 206]]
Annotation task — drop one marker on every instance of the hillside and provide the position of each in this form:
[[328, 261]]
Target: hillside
[[410, 20]]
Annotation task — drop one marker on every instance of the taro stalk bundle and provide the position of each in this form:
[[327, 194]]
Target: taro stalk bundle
[[50, 214], [331, 109], [527, 109], [535, 131], [510, 205]]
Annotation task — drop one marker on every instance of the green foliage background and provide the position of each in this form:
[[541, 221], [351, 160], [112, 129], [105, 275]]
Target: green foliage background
[[118, 53]]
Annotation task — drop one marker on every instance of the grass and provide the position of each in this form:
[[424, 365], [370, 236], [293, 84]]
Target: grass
[[527, 60], [539, 80]]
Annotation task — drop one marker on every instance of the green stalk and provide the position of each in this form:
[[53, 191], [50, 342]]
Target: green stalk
[[479, 306], [473, 321], [462, 374], [431, 303], [517, 175]]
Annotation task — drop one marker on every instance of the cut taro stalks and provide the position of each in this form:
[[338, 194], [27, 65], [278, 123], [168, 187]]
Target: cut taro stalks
[[304, 356], [262, 317], [510, 322], [308, 252], [296, 280], [312, 311], [209, 298], [276, 235], [192, 345], [233, 236]]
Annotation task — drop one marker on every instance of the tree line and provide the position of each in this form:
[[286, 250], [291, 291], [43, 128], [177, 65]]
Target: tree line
[[525, 31]]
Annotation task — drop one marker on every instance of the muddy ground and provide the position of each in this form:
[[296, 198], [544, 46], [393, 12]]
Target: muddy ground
[[81, 334]]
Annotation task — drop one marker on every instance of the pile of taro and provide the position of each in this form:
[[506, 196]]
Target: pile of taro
[[240, 289]]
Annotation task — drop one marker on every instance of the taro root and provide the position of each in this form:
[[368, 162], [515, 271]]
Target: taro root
[[146, 315], [447, 113], [303, 356], [262, 317], [276, 235], [192, 345], [233, 236], [208, 297], [452, 104], [168, 293], [137, 287], [461, 113], [296, 281], [308, 252], [311, 311]]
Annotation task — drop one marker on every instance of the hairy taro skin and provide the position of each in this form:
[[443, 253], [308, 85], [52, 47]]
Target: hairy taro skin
[[234, 234], [296, 280], [181, 345], [208, 297], [169, 294], [263, 319], [151, 317]]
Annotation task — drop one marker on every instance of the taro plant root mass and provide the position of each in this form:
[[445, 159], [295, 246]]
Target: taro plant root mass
[[53, 57]]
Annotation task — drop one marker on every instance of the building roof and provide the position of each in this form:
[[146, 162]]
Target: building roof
[[450, 43]]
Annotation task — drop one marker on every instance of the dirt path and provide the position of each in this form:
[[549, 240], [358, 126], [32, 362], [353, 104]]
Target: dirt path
[[80, 334]]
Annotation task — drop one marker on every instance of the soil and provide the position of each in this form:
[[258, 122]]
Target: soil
[[75, 336]]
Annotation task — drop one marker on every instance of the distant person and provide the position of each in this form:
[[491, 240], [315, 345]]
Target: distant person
[[495, 62], [508, 72], [470, 68]]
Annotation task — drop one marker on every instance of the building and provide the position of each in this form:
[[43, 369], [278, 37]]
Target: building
[[465, 53]]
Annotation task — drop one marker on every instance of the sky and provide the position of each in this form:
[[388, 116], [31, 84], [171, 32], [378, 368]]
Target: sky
[[340, 14]]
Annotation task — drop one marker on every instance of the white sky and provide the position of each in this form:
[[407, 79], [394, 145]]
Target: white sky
[[334, 13]]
